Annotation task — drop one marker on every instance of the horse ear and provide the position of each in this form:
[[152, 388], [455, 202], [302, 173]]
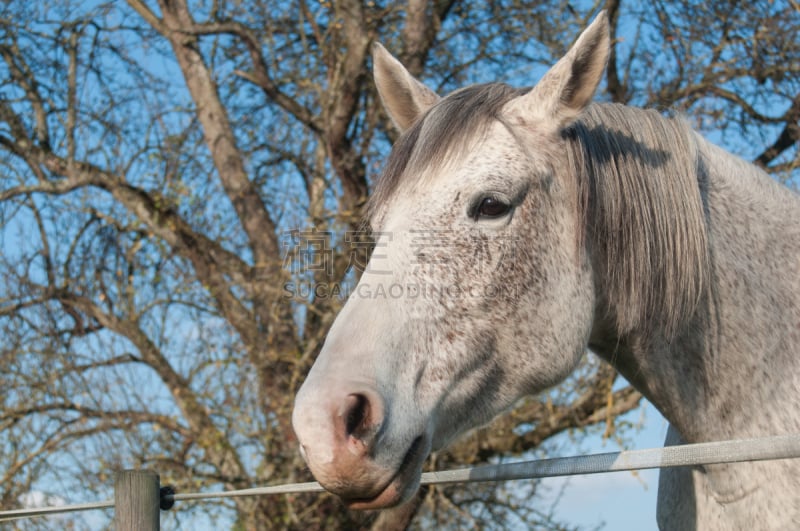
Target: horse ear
[[569, 86], [403, 97]]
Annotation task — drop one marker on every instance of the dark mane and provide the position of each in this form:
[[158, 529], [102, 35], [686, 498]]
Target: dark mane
[[641, 181]]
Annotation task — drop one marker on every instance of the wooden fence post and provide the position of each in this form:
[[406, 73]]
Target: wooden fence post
[[136, 501]]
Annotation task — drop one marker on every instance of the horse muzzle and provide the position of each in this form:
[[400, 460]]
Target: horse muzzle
[[345, 440]]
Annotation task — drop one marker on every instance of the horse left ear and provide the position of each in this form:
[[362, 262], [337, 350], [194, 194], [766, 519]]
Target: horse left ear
[[569, 86]]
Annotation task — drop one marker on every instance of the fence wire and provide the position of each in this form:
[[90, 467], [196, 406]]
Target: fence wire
[[735, 451]]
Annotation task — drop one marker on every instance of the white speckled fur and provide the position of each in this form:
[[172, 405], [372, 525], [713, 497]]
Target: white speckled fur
[[665, 255]]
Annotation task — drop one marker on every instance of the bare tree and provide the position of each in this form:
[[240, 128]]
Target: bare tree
[[733, 67], [157, 157]]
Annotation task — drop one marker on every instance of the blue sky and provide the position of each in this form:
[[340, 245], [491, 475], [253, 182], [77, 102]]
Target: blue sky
[[623, 501]]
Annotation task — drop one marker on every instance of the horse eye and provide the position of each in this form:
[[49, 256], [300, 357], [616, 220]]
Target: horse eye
[[491, 207]]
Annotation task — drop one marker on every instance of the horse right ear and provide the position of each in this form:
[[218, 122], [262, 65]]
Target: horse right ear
[[403, 97]]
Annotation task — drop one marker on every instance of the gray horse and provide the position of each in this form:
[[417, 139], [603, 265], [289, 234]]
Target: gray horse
[[516, 228]]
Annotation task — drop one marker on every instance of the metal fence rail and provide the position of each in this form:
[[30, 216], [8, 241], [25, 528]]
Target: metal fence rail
[[136, 487]]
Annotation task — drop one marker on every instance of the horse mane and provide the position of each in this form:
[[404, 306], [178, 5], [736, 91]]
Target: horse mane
[[640, 186], [639, 180]]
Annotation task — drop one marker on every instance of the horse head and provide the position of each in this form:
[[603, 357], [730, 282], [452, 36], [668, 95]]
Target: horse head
[[479, 290]]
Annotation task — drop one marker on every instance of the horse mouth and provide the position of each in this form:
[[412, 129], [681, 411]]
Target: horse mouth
[[401, 486]]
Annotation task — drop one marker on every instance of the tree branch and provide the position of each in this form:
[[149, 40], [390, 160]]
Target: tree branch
[[618, 91], [177, 26], [211, 261], [789, 136], [138, 417], [213, 442], [260, 75], [22, 75]]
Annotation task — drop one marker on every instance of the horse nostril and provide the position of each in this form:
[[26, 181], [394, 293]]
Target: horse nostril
[[357, 415]]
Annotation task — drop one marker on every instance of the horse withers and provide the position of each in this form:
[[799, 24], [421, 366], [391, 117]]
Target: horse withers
[[532, 225]]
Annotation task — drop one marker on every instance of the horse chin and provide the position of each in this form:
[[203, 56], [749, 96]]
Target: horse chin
[[403, 484]]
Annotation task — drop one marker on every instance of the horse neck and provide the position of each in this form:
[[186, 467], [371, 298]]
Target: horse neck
[[732, 368]]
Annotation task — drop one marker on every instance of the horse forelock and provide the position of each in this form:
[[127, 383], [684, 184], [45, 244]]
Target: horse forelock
[[442, 134], [641, 190]]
